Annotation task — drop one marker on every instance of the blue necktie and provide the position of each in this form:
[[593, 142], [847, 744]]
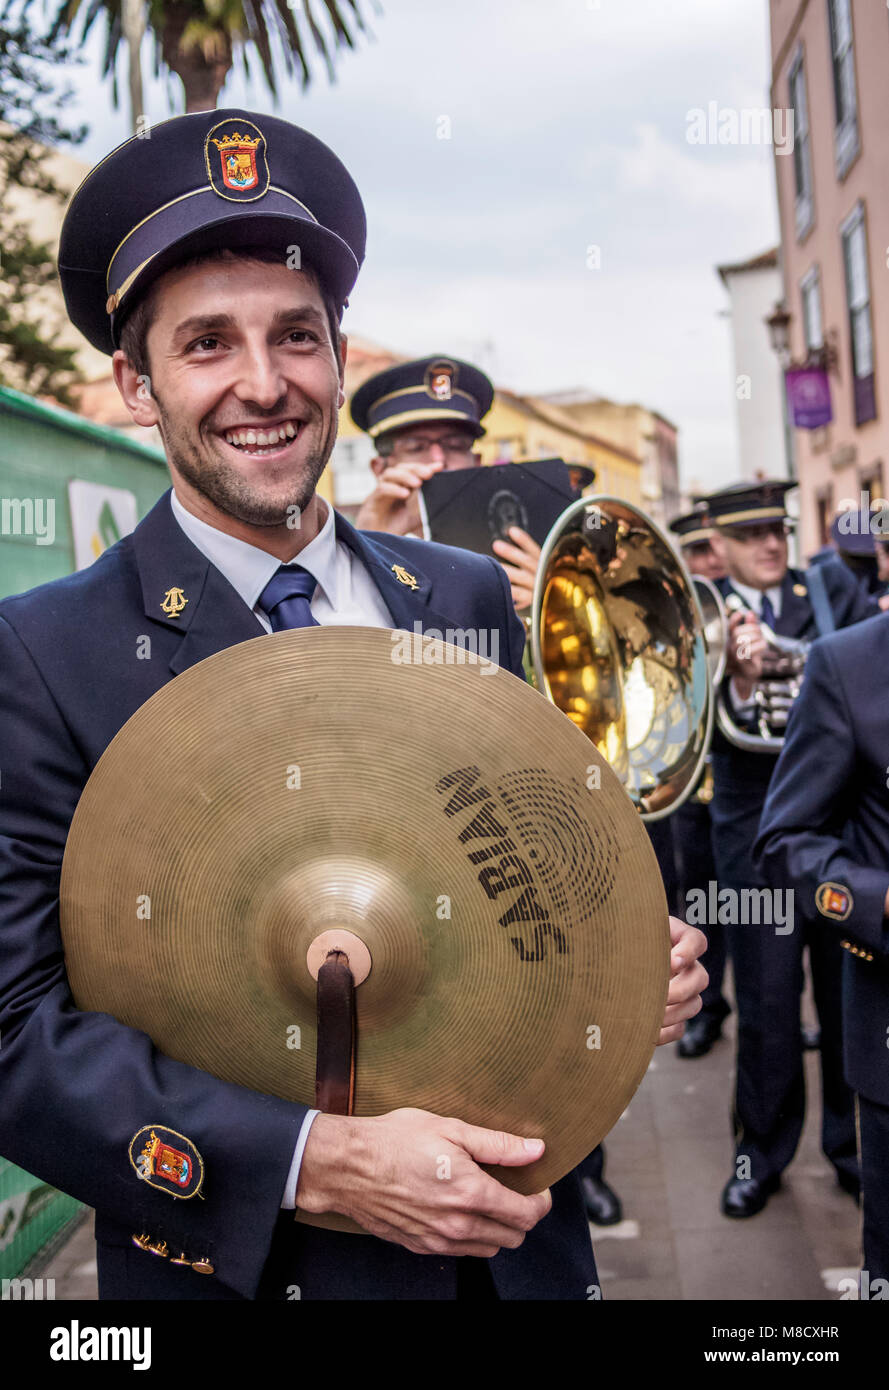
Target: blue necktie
[[287, 598], [767, 612]]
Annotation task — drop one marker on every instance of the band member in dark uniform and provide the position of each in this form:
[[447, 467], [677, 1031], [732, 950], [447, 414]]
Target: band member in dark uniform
[[767, 951], [825, 834], [183, 274], [691, 826], [425, 417]]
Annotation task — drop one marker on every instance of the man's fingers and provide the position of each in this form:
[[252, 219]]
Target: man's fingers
[[519, 577], [496, 1146], [526, 556], [688, 943], [412, 474]]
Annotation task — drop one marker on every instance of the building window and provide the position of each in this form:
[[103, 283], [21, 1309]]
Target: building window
[[854, 235], [844, 91], [824, 503], [813, 327], [802, 151], [870, 481]]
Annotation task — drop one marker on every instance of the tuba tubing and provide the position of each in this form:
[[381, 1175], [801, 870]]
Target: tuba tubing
[[617, 643], [778, 692]]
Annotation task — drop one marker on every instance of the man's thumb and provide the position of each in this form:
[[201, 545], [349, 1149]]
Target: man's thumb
[[494, 1146]]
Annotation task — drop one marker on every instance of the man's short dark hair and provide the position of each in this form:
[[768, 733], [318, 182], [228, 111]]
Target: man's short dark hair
[[134, 331]]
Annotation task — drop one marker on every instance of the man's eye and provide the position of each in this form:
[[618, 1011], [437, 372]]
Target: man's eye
[[207, 344], [302, 335]]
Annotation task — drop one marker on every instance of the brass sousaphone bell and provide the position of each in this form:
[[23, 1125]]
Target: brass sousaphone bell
[[617, 644]]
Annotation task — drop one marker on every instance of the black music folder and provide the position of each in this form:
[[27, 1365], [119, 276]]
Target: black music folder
[[473, 507]]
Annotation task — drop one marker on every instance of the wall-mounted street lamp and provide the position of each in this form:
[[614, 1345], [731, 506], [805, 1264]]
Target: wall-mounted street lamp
[[825, 357], [778, 324]]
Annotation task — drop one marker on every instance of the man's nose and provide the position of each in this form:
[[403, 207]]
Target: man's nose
[[434, 452], [260, 379]]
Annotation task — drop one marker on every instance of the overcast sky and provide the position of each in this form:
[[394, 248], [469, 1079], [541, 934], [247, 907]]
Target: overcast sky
[[568, 123]]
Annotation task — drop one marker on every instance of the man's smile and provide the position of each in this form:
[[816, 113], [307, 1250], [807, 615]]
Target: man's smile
[[263, 440]]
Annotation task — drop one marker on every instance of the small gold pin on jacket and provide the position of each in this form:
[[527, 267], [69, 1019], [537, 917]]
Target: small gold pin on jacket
[[403, 577], [800, 590], [174, 602]]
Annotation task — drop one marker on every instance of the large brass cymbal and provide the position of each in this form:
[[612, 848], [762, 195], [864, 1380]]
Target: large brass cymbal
[[444, 813]]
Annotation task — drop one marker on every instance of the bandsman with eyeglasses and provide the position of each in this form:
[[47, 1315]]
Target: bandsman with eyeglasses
[[425, 417], [764, 597]]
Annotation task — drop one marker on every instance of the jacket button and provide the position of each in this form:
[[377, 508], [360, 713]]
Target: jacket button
[[203, 1267]]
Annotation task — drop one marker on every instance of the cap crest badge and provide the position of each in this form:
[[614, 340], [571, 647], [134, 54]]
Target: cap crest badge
[[235, 155], [440, 380]]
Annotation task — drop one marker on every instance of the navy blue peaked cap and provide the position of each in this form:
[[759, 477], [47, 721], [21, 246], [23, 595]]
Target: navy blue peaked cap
[[429, 388], [204, 181]]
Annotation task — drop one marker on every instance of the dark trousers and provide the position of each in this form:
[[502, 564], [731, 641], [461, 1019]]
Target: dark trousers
[[696, 869], [770, 1100], [873, 1123], [593, 1166]]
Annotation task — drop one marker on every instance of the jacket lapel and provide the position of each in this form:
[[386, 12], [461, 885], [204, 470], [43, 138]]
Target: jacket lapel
[[211, 615], [796, 608], [404, 589], [175, 575]]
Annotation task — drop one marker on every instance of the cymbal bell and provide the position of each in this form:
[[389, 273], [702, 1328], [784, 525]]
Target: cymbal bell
[[439, 810]]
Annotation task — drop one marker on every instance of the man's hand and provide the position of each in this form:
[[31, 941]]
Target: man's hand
[[746, 645], [524, 558], [413, 1178], [393, 505], [687, 978]]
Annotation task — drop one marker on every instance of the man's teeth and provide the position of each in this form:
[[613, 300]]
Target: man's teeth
[[262, 439]]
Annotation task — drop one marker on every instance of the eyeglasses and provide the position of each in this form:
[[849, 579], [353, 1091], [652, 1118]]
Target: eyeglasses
[[776, 530], [413, 446]]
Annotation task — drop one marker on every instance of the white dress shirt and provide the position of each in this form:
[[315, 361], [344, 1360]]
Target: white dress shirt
[[346, 594], [753, 598]]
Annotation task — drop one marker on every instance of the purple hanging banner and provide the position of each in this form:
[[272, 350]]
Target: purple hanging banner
[[808, 395]]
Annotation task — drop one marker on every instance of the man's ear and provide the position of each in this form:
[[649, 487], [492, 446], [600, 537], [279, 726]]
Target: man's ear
[[719, 550], [344, 348], [377, 466], [476, 460], [135, 390]]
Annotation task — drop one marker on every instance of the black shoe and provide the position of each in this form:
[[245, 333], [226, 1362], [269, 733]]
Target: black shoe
[[746, 1196], [850, 1183], [700, 1034], [602, 1205]]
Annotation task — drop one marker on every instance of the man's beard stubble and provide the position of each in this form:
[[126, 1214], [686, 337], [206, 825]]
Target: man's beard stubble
[[224, 487]]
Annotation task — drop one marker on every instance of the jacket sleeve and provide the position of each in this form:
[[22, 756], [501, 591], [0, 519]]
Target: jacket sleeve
[[512, 626], [800, 843], [848, 599], [75, 1087]]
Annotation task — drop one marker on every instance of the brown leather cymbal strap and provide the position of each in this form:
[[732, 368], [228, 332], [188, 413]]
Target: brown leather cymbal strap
[[335, 1060]]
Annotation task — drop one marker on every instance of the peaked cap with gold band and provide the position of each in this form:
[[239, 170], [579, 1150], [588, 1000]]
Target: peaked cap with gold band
[[429, 388], [749, 504], [692, 527], [212, 179]]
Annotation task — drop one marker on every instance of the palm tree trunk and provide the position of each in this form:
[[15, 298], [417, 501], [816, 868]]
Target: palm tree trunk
[[132, 19], [202, 76]]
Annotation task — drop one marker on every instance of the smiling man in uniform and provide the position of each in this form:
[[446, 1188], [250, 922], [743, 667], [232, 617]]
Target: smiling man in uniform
[[213, 261]]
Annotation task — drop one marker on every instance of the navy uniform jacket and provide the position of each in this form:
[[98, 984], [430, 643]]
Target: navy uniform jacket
[[797, 618], [825, 829], [741, 778], [76, 1087]]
